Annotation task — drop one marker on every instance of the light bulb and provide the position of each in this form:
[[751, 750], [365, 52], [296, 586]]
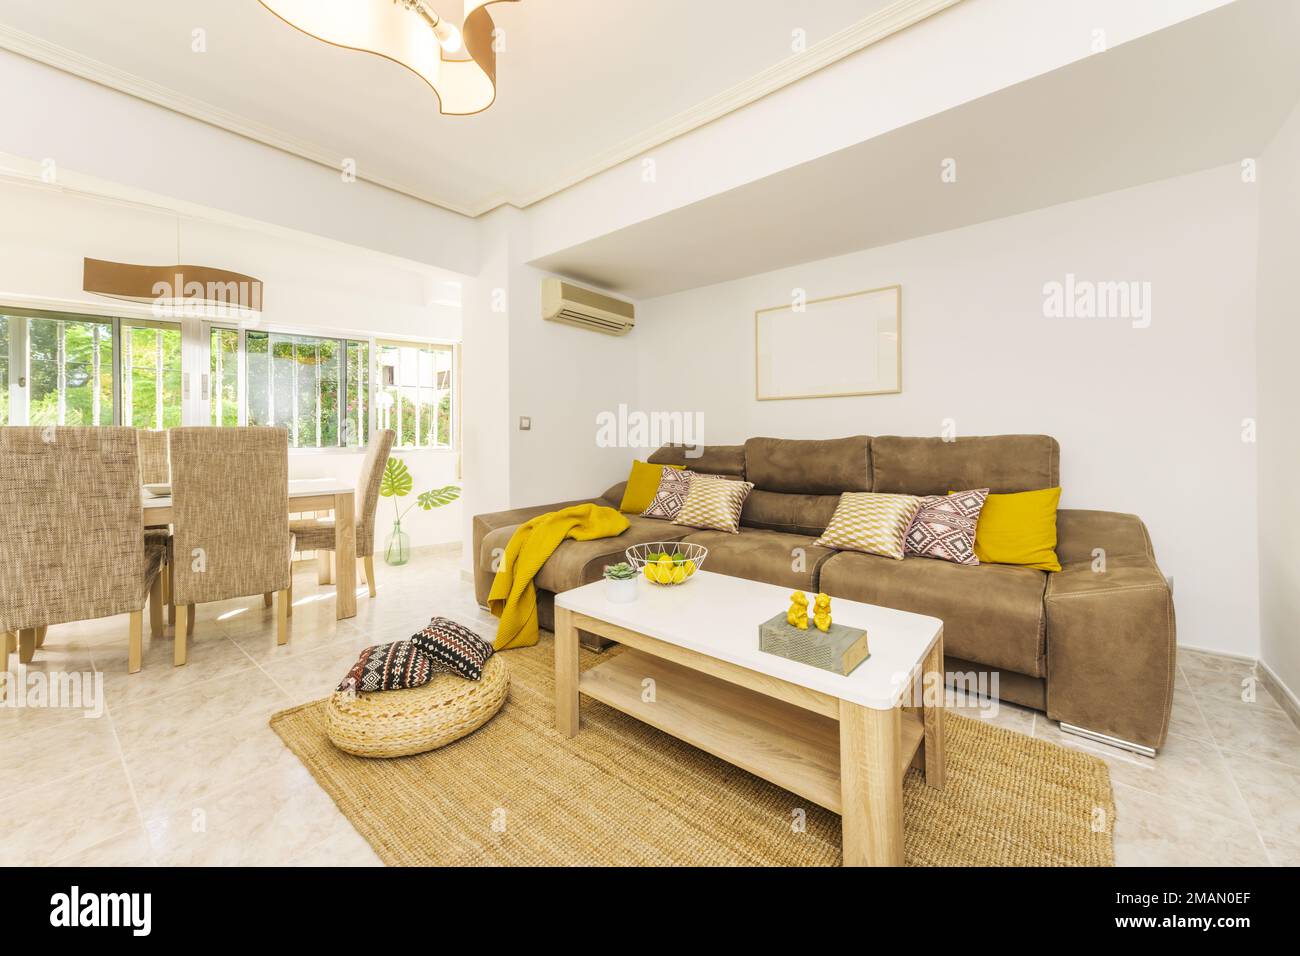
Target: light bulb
[[448, 35]]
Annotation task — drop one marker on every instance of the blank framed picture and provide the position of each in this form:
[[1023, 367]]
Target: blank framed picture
[[828, 348]]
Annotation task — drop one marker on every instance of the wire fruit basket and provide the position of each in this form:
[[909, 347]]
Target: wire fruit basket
[[667, 562]]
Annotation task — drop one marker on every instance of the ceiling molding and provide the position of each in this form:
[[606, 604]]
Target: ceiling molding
[[892, 19]]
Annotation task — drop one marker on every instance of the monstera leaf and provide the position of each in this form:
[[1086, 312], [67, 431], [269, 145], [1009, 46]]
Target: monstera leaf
[[397, 481], [438, 497]]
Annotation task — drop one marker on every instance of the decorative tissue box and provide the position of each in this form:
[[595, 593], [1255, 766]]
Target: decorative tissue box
[[838, 650]]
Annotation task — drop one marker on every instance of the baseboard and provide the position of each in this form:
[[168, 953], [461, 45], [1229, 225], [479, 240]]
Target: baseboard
[[1286, 697], [1241, 658]]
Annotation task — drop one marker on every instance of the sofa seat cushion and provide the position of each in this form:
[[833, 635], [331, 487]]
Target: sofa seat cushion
[[575, 563], [992, 614], [774, 557]]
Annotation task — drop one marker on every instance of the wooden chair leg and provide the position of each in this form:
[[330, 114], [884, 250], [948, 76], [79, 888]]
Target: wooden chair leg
[[266, 598], [325, 567], [40, 636], [171, 593], [370, 573], [184, 615], [289, 612], [26, 645], [283, 608], [135, 649], [156, 608]]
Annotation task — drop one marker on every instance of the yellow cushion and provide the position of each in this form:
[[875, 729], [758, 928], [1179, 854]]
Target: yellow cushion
[[1019, 529], [642, 484]]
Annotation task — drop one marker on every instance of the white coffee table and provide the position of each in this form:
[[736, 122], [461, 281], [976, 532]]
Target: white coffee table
[[692, 668]]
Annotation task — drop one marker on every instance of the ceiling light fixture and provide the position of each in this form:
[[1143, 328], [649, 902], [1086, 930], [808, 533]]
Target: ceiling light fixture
[[400, 31]]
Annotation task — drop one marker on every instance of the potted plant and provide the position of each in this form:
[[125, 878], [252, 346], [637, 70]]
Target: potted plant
[[620, 582], [397, 483]]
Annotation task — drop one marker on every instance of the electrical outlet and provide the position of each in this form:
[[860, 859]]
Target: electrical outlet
[[525, 423]]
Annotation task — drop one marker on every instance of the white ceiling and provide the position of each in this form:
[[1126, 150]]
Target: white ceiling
[[578, 79], [1209, 91]]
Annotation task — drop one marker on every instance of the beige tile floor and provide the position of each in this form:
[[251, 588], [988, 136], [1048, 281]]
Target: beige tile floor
[[183, 769]]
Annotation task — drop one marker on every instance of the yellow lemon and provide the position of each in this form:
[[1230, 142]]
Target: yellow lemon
[[650, 572], [665, 573], [690, 567], [679, 574]]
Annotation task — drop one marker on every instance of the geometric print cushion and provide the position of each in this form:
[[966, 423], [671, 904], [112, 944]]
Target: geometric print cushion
[[714, 503], [670, 497], [453, 648], [870, 522], [944, 527], [395, 666]]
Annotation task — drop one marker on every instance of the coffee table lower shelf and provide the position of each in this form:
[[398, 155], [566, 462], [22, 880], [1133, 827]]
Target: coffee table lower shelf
[[789, 746]]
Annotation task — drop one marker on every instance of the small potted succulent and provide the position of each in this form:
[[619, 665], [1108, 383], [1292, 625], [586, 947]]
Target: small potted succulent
[[620, 582]]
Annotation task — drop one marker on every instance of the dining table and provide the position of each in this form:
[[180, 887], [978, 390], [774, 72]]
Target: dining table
[[305, 494]]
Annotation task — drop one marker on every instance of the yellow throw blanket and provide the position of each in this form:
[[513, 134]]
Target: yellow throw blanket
[[513, 597]]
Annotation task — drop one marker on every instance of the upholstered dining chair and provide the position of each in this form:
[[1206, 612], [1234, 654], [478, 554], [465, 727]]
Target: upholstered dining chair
[[72, 542], [230, 521], [317, 534]]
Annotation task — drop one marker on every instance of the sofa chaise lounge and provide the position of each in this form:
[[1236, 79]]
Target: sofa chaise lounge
[[1091, 645]]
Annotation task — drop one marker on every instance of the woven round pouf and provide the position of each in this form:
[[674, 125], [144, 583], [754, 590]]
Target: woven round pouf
[[397, 723]]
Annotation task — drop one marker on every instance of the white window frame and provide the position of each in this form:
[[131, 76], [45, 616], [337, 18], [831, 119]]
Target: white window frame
[[196, 362], [453, 389]]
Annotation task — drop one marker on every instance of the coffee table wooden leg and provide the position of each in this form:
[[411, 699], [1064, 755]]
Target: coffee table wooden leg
[[566, 673], [932, 712], [871, 786]]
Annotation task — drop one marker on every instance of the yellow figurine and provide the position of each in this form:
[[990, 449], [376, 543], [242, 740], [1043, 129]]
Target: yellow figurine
[[822, 612], [798, 613]]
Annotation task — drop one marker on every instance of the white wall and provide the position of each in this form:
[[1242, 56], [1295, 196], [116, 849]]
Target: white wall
[[1149, 420], [310, 285], [1279, 405], [517, 365]]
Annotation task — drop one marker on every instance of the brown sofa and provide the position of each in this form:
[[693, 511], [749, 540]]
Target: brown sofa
[[1093, 648]]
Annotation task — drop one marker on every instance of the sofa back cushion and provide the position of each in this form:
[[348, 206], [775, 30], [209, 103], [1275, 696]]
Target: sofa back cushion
[[931, 466], [728, 460], [797, 482], [801, 467]]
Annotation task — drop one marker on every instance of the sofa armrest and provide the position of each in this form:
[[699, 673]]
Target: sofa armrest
[[1110, 647], [484, 524], [1080, 533], [614, 494]]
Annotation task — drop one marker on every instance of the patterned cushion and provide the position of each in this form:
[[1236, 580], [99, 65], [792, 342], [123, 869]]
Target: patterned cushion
[[453, 648], [393, 666], [944, 527], [870, 522], [668, 500], [714, 503]]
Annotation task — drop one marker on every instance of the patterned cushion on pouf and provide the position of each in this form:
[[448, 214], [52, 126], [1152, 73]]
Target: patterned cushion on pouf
[[393, 666], [453, 648], [397, 723]]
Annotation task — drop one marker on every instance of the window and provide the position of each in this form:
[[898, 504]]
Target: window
[[315, 387], [70, 371], [223, 380], [151, 373], [414, 393]]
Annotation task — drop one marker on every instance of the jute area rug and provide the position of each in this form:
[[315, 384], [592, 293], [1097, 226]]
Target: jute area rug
[[621, 793]]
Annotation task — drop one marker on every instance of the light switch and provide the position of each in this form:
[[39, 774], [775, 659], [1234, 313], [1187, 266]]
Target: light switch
[[525, 423]]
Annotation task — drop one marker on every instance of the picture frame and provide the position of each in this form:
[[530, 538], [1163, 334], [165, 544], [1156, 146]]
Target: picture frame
[[792, 359]]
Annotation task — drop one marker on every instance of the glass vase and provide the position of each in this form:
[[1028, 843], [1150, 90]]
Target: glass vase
[[398, 549]]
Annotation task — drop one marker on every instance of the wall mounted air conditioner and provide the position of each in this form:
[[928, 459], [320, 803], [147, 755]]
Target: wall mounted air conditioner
[[573, 305]]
